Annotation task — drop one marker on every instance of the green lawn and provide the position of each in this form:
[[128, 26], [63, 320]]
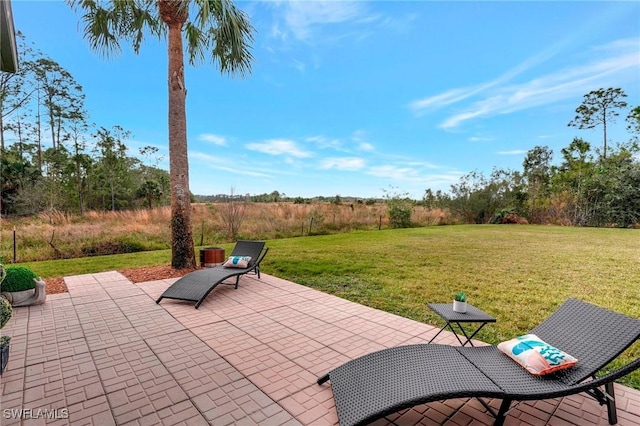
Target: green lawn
[[519, 274]]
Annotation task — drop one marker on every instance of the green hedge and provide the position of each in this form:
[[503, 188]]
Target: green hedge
[[19, 278]]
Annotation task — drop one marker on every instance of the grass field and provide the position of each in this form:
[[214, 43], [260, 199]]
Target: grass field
[[519, 274]]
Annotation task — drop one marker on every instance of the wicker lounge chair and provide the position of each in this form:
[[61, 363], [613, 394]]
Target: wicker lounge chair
[[380, 383], [197, 285]]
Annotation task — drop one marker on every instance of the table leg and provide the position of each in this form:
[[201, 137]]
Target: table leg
[[438, 333], [464, 333], [455, 333]]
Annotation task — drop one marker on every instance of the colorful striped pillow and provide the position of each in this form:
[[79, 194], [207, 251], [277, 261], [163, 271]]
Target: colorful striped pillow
[[536, 356], [237, 262]]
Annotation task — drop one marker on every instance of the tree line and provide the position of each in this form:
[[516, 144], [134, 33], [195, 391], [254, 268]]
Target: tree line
[[53, 158], [591, 186]]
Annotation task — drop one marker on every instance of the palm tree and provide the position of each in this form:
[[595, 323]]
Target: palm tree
[[219, 32]]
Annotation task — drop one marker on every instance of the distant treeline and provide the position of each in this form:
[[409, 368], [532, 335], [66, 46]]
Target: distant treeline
[[589, 187], [277, 197], [52, 158]]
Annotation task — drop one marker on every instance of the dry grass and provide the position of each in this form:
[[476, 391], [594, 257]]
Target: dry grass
[[61, 235]]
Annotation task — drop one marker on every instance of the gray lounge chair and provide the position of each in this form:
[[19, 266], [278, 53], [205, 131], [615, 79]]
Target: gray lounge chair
[[197, 285], [380, 383]]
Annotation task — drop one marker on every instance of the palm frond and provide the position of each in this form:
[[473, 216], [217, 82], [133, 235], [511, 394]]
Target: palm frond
[[228, 34], [196, 43], [108, 22], [218, 31]]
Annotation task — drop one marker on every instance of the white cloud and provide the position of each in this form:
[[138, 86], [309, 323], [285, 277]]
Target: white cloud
[[340, 145], [241, 171], [513, 152], [359, 137], [456, 95], [279, 147], [366, 146], [214, 139], [441, 100], [399, 24], [394, 172], [302, 17], [344, 163], [611, 64], [324, 142], [443, 181], [423, 165], [222, 164], [415, 180], [479, 139], [326, 21], [300, 66]]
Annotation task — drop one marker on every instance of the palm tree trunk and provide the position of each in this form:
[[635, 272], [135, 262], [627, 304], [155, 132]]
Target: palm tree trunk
[[182, 249]]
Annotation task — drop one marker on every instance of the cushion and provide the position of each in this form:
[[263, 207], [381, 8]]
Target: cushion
[[536, 356], [237, 262]]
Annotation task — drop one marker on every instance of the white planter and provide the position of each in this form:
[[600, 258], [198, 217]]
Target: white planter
[[35, 296], [460, 307]]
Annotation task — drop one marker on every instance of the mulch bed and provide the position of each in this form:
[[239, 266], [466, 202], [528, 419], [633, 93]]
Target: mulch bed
[[135, 275]]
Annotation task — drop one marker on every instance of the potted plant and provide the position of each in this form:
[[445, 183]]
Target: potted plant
[[22, 287], [460, 302]]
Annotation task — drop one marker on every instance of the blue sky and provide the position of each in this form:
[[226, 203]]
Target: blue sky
[[359, 98]]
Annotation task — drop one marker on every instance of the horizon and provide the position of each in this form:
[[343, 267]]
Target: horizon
[[358, 98]]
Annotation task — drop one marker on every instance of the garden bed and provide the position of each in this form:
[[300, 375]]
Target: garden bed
[[136, 275]]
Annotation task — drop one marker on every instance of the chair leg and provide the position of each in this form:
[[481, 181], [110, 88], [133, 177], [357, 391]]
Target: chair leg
[[323, 379], [611, 403], [502, 413]]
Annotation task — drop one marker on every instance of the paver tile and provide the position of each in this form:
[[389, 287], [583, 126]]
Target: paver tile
[[106, 354]]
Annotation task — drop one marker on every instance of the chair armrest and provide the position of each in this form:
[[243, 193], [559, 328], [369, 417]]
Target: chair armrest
[[262, 255], [599, 381]]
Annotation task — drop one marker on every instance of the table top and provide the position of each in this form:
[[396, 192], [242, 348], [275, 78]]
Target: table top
[[473, 314]]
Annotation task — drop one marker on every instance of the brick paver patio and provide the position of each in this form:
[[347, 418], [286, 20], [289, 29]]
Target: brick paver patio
[[106, 354]]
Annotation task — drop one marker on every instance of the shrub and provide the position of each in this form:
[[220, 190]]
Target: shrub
[[6, 311], [4, 340], [400, 210], [499, 216], [19, 278], [117, 246]]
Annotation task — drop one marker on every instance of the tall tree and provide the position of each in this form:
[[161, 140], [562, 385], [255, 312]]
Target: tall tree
[[572, 178], [633, 120], [15, 88], [537, 173], [219, 31], [60, 95], [599, 107], [75, 135], [113, 163]]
